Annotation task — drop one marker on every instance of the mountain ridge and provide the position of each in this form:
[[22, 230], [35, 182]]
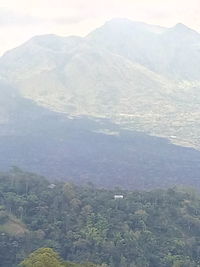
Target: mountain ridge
[[140, 79]]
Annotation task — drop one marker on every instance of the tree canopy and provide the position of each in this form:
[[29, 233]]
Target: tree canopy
[[43, 257], [159, 228]]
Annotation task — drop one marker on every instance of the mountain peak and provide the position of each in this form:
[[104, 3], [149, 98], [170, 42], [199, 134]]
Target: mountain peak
[[182, 28], [127, 25], [123, 23], [127, 22]]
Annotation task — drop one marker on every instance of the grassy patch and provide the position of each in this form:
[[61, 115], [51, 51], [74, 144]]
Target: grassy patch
[[13, 227]]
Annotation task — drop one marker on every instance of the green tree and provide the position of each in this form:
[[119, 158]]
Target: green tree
[[43, 257]]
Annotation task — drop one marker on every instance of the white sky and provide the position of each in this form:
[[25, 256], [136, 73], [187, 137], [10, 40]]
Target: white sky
[[22, 19]]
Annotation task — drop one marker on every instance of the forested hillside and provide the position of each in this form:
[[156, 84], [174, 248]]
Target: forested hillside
[[159, 228]]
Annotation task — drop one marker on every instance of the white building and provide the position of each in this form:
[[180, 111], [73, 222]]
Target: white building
[[118, 197], [51, 186]]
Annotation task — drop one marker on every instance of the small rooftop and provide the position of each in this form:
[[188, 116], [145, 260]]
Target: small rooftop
[[118, 196]]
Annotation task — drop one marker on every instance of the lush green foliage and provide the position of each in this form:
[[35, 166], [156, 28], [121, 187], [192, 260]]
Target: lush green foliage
[[46, 257], [160, 228]]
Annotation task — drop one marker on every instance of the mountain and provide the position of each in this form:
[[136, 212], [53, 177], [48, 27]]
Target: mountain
[[172, 52], [83, 80], [141, 76], [94, 109]]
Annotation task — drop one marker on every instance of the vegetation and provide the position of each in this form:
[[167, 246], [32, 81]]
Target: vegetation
[[46, 257], [160, 228]]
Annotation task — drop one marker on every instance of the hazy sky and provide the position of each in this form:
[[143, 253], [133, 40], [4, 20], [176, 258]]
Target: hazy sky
[[22, 19]]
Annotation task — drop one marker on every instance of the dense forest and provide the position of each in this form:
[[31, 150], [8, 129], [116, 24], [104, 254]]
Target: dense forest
[[159, 228]]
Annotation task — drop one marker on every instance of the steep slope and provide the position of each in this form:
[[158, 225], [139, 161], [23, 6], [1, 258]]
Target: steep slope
[[7, 102], [17, 114]]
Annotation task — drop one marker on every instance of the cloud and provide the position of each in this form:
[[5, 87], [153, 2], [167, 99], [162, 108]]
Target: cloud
[[67, 19], [11, 18], [67, 12], [22, 19]]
